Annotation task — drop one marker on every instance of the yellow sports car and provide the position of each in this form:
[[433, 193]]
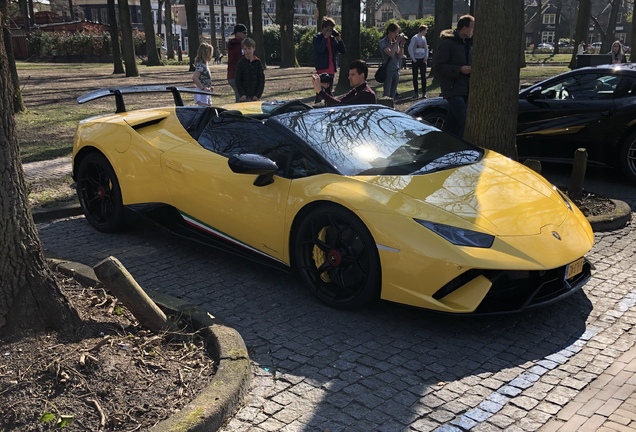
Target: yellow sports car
[[364, 202]]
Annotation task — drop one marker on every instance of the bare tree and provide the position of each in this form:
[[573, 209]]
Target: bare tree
[[538, 23], [443, 20], [114, 38], [243, 14], [607, 34], [321, 6], [18, 104], [285, 18], [632, 42], [193, 30], [582, 26], [30, 299], [149, 31], [213, 27], [493, 103], [160, 17], [169, 36], [351, 36], [557, 31], [257, 30], [223, 43], [127, 42]]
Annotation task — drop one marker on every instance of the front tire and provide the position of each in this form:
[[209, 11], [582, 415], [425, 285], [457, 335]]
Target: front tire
[[337, 258], [628, 157], [99, 193]]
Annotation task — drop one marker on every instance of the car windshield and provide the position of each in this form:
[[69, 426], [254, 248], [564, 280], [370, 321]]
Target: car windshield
[[371, 140]]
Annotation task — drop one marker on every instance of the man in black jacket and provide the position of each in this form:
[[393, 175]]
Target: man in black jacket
[[361, 93], [452, 64]]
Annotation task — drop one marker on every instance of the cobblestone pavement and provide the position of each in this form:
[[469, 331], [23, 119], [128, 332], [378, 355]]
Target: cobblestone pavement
[[394, 368]]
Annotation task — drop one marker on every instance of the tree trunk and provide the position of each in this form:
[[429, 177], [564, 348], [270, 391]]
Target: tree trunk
[[18, 104], [31, 13], [285, 16], [257, 30], [321, 7], [369, 11], [243, 14], [213, 28], [537, 25], [169, 37], [192, 20], [160, 19], [149, 31], [223, 43], [420, 9], [582, 26], [127, 43], [632, 40], [351, 38], [493, 102], [443, 20], [611, 27], [557, 32], [114, 37], [30, 299], [24, 11]]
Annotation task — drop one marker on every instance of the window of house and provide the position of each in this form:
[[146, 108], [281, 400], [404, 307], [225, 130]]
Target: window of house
[[547, 37], [549, 18]]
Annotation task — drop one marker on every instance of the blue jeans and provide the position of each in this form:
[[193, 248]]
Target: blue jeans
[[391, 82], [232, 83], [456, 120]]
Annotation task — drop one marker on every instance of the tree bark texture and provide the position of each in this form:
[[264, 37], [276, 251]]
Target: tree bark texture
[[29, 296], [321, 6], [127, 43], [149, 31], [351, 38], [443, 21], [192, 20], [285, 16], [113, 29], [18, 104], [494, 83], [213, 28]]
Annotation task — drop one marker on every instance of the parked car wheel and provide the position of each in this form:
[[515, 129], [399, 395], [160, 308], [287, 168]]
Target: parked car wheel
[[435, 118], [99, 193], [628, 157], [337, 257]]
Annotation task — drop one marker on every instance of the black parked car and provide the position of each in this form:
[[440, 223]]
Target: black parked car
[[592, 107]]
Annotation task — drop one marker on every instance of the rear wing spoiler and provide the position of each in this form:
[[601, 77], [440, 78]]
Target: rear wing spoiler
[[121, 91]]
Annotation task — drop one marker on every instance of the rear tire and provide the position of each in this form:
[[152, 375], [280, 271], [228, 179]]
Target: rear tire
[[628, 158], [99, 193], [435, 118]]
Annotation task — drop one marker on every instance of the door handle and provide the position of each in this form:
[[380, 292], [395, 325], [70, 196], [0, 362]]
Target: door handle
[[607, 113]]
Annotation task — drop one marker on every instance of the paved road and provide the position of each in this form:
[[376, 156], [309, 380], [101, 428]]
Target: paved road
[[389, 368]]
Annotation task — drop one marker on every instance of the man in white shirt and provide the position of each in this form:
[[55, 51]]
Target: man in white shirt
[[418, 50]]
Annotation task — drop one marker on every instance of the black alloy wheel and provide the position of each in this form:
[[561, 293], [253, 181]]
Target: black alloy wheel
[[99, 193], [435, 118], [337, 258], [628, 157]]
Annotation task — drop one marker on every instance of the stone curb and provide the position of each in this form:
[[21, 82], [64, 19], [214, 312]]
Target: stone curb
[[221, 398], [43, 214], [621, 215]]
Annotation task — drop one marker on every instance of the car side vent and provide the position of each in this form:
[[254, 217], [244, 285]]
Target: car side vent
[[148, 123]]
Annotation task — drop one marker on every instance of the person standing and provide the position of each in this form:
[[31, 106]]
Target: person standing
[[618, 53], [360, 94], [234, 54], [250, 78], [452, 64], [327, 44], [201, 76], [392, 49], [418, 50], [581, 49]]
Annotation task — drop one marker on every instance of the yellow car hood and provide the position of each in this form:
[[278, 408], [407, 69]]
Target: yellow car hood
[[497, 194]]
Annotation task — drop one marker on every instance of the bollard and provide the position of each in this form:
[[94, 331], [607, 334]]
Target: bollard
[[533, 164], [578, 174]]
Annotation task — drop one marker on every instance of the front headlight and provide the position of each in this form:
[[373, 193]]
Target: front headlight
[[459, 236]]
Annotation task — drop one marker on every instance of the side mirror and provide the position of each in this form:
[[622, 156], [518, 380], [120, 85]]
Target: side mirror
[[247, 163], [534, 94]]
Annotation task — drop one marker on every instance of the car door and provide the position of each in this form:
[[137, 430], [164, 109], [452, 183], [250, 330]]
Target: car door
[[215, 199], [565, 114]]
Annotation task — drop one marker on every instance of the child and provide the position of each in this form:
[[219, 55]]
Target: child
[[250, 78], [201, 76]]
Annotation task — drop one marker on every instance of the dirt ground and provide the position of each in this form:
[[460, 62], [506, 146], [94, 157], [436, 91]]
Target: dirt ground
[[108, 375]]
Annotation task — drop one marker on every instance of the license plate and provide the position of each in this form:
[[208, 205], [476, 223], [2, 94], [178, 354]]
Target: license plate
[[574, 268]]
